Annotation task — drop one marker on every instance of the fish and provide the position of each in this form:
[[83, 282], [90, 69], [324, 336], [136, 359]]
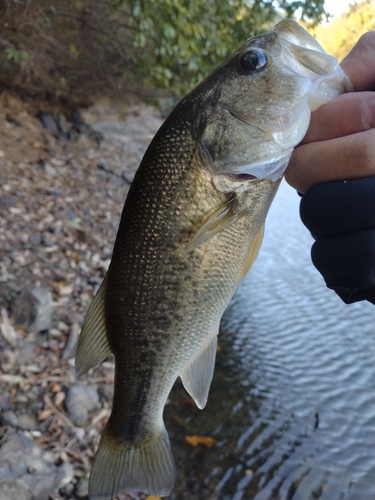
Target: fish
[[191, 227]]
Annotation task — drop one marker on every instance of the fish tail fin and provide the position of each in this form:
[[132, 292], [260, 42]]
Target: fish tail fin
[[124, 468]]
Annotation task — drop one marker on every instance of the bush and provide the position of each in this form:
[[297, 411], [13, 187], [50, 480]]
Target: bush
[[74, 50]]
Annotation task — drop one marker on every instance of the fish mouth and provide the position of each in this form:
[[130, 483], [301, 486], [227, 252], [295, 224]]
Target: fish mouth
[[303, 56], [324, 77], [270, 168], [290, 31], [285, 132], [240, 177]]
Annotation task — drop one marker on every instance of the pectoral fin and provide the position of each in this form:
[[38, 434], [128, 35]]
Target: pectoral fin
[[253, 253], [198, 372], [222, 218], [93, 346]]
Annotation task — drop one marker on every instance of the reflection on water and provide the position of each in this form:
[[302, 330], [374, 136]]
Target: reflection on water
[[292, 403]]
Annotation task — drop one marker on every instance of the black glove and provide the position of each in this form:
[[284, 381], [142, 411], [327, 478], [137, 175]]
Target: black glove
[[341, 218]]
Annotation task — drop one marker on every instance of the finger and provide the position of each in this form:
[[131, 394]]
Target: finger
[[348, 114], [343, 158], [359, 64]]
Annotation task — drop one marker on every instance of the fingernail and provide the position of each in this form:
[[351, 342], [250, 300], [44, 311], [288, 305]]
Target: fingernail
[[369, 112]]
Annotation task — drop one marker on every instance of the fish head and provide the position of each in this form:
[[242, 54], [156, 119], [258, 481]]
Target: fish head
[[260, 106]]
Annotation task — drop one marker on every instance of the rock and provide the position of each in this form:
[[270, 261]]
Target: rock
[[71, 345], [57, 124], [26, 353], [9, 418], [6, 201], [106, 391], [25, 421], [82, 489], [33, 308], [12, 120], [103, 166], [49, 121], [50, 170], [78, 123], [26, 473], [4, 401], [127, 176], [80, 400], [67, 476], [66, 128]]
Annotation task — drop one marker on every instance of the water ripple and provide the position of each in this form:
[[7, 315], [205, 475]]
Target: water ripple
[[292, 400]]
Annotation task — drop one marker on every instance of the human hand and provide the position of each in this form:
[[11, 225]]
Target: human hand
[[341, 217], [340, 141], [340, 146]]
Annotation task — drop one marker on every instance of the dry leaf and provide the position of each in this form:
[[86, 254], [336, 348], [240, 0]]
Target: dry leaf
[[66, 290], [44, 414], [7, 330], [59, 398], [104, 413], [35, 144], [205, 441], [56, 387], [11, 379]]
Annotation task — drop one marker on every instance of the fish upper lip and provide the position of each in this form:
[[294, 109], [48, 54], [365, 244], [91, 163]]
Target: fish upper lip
[[286, 30]]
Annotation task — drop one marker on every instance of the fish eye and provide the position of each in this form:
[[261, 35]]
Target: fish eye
[[251, 61]]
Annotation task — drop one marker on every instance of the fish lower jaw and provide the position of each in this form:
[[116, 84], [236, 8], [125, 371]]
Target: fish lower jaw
[[329, 87], [271, 168]]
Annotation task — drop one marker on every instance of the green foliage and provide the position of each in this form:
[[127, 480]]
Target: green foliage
[[179, 41], [76, 50], [307, 11], [15, 55]]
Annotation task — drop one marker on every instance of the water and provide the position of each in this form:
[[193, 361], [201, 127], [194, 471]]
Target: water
[[292, 403]]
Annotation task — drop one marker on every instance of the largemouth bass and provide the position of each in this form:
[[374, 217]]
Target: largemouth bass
[[190, 229]]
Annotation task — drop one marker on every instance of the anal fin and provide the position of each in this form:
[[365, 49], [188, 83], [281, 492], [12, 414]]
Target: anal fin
[[253, 253], [197, 374], [93, 346]]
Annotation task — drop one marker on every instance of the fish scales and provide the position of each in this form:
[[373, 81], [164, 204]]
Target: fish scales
[[166, 292], [190, 230]]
